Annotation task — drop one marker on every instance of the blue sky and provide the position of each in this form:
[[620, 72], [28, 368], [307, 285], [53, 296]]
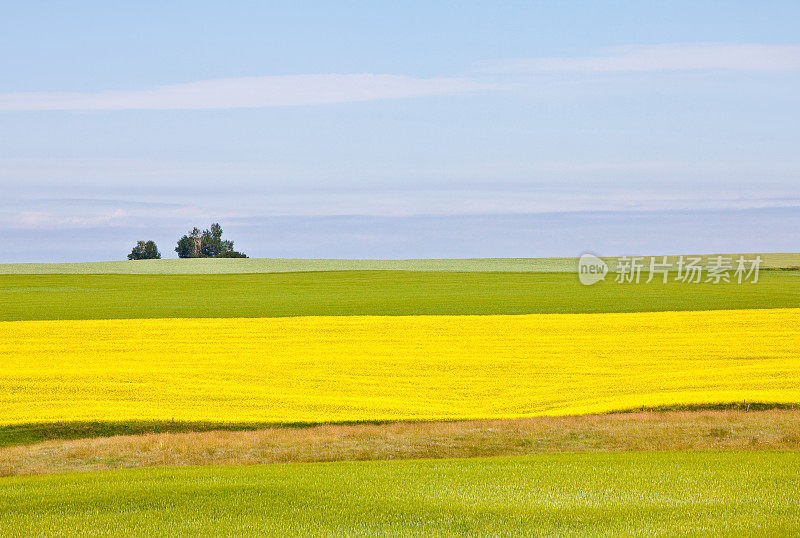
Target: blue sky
[[408, 129]]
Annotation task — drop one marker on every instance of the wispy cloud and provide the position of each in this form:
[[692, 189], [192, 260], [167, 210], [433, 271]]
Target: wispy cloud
[[247, 92], [669, 57], [321, 89], [71, 214]]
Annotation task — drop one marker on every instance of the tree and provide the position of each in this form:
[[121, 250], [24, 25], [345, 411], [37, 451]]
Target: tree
[[184, 248], [211, 243], [189, 245], [206, 244], [145, 250]]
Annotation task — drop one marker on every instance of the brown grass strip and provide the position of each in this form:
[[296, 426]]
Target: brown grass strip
[[776, 429]]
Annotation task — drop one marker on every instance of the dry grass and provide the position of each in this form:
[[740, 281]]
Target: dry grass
[[777, 429]]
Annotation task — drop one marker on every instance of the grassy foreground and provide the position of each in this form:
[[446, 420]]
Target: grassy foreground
[[656, 493], [774, 429], [332, 369], [346, 293]]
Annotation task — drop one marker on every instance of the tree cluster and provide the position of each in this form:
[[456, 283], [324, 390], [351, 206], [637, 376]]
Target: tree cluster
[[145, 250], [206, 244], [197, 244]]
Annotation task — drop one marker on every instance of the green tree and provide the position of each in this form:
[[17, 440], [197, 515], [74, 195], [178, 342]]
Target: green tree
[[189, 246], [211, 241], [206, 244], [145, 250]]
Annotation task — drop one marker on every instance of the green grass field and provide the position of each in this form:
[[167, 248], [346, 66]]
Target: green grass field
[[655, 493], [340, 293], [282, 265]]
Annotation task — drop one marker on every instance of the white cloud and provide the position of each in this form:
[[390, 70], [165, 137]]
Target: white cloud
[[66, 215], [246, 92], [88, 176], [44, 220], [72, 214], [319, 89], [669, 57]]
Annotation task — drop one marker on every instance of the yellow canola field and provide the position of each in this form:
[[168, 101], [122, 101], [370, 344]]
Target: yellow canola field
[[369, 368]]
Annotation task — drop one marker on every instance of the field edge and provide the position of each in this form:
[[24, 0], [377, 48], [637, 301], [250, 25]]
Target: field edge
[[686, 430]]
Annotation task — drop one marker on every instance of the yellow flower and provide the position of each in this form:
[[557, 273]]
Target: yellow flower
[[390, 368]]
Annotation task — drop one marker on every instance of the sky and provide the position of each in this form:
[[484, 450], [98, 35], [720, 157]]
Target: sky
[[400, 129]]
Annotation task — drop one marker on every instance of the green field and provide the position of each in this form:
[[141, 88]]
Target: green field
[[283, 265], [654, 493], [342, 293]]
